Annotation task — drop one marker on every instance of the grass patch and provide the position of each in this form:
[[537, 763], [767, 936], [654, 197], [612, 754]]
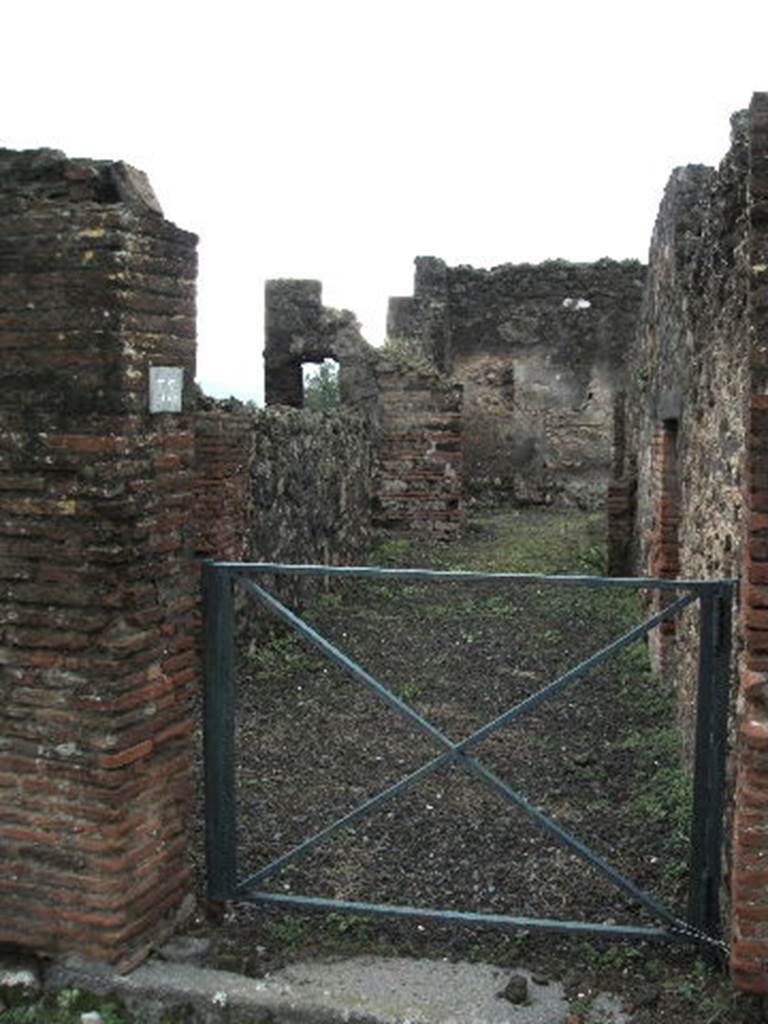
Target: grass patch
[[566, 545], [282, 653], [390, 553], [65, 1007]]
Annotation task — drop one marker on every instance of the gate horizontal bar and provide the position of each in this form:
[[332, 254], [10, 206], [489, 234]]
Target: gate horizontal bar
[[618, 931], [632, 582]]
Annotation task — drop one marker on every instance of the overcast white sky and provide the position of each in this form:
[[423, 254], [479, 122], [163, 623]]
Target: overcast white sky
[[338, 139]]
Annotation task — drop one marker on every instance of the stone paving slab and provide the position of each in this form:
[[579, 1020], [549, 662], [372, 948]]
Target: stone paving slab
[[359, 990]]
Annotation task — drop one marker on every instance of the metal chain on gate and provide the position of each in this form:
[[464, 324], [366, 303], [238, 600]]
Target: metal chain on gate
[[688, 930]]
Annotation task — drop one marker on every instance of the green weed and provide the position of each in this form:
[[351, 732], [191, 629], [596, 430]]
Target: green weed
[[619, 956], [653, 745], [499, 606], [691, 988], [581, 1005], [550, 636], [350, 925], [667, 797], [395, 589], [667, 793], [390, 552], [291, 929], [409, 691], [634, 661], [593, 559], [283, 653], [439, 611]]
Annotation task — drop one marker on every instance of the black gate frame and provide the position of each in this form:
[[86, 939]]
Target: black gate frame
[[702, 923]]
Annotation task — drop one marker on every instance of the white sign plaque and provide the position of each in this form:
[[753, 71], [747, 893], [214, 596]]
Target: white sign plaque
[[166, 384]]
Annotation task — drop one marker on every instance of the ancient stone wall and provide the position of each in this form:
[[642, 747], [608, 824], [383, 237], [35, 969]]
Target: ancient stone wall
[[412, 414], [540, 352], [687, 379], [282, 484], [98, 584], [691, 489]]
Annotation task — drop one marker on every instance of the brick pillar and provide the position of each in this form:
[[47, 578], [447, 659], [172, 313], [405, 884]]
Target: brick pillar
[[620, 514], [621, 498], [98, 590], [749, 850], [223, 442], [664, 550], [418, 454]]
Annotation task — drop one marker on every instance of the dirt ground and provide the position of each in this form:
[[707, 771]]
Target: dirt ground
[[601, 758]]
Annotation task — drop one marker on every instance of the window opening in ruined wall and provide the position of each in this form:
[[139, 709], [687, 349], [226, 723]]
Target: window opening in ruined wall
[[320, 385]]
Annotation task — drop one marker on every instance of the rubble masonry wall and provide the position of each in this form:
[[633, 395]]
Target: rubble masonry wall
[[690, 493]]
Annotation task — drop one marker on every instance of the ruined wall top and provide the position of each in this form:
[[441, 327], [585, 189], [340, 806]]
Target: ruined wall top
[[695, 297], [299, 329], [540, 350], [298, 325], [49, 175], [460, 311], [96, 287]]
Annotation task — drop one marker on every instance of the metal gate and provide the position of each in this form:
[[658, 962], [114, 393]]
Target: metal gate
[[702, 922]]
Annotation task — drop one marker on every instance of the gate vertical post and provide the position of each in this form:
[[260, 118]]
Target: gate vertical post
[[719, 739], [709, 763], [219, 731]]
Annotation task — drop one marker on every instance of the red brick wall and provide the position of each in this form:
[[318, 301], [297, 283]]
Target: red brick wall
[[223, 447], [664, 544], [749, 874], [98, 589]]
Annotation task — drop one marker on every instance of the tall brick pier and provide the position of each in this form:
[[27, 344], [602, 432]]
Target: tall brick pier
[[97, 596]]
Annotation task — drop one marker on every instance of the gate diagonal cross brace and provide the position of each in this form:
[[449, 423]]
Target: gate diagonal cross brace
[[457, 752]]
